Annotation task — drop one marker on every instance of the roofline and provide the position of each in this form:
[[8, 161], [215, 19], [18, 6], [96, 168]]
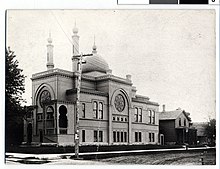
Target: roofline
[[148, 102]]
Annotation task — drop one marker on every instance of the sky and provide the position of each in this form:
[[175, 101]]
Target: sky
[[170, 54]]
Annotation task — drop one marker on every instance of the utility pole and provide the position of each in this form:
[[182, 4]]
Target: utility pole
[[79, 75]]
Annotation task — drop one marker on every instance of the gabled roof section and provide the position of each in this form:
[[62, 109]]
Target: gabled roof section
[[172, 115]]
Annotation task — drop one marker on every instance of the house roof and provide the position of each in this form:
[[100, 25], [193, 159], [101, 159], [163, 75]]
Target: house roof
[[172, 115]]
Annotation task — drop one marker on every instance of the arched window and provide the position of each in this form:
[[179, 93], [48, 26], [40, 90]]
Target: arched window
[[179, 121], [136, 114], [95, 110], [153, 117], [45, 97], [83, 110], [184, 122], [49, 120], [62, 117], [149, 116], [50, 112], [100, 110], [140, 115]]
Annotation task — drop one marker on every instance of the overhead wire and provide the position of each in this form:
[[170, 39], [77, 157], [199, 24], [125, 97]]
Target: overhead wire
[[68, 36], [62, 29], [99, 124]]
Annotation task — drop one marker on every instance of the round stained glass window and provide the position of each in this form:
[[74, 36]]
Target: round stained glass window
[[45, 97], [119, 102]]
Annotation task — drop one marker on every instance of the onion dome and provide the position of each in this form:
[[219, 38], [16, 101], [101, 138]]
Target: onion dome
[[75, 29], [95, 63], [49, 40]]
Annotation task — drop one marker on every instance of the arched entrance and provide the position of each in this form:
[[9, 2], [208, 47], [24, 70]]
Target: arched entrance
[[29, 133], [63, 121], [161, 139]]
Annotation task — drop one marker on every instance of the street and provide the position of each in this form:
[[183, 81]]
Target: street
[[162, 158]]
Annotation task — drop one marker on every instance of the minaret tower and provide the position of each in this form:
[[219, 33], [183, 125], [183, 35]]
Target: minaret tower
[[50, 64], [75, 38]]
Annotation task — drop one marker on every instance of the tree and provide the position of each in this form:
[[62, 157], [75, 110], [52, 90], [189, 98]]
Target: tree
[[210, 130], [14, 88]]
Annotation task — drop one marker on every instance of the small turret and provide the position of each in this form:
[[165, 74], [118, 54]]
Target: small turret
[[75, 42], [50, 64]]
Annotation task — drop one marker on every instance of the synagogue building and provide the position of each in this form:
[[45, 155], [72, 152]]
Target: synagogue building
[[110, 110]]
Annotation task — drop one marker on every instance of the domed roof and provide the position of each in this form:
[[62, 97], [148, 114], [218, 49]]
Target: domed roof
[[75, 29], [95, 63]]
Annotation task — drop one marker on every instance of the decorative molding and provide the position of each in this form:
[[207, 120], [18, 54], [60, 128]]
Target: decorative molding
[[114, 114], [69, 74], [86, 91], [141, 123], [115, 79], [52, 72], [145, 102], [65, 102], [100, 120]]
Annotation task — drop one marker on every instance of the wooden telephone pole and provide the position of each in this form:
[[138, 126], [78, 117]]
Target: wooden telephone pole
[[79, 70]]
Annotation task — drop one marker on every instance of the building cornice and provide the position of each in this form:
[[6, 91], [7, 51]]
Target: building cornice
[[145, 102], [87, 91], [115, 79], [52, 72], [69, 74], [107, 77]]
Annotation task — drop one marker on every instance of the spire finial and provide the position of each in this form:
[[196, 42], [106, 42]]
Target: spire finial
[[49, 39], [94, 46], [75, 29], [50, 64]]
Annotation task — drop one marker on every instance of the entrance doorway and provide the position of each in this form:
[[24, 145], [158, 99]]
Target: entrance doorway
[[29, 133], [161, 139], [41, 136]]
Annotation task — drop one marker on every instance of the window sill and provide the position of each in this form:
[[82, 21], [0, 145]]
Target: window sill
[[120, 121]]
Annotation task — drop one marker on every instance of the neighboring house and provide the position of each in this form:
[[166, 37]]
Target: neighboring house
[[110, 110], [201, 135], [175, 127]]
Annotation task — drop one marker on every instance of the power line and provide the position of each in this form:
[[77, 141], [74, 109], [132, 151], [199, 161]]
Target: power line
[[62, 29], [68, 36]]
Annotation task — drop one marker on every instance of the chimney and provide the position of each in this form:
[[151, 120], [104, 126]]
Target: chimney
[[128, 77], [164, 108]]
